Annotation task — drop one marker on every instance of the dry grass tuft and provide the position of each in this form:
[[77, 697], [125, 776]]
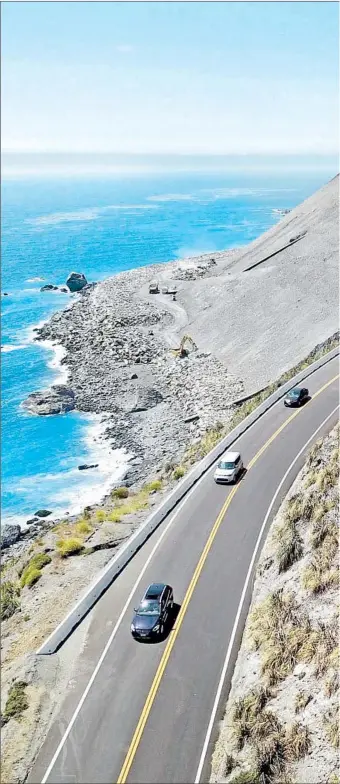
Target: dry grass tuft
[[289, 545], [331, 727], [284, 636], [297, 742], [229, 764], [332, 684], [250, 720], [270, 757], [302, 699], [17, 701]]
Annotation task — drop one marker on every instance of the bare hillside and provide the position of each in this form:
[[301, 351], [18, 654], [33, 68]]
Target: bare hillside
[[262, 321]]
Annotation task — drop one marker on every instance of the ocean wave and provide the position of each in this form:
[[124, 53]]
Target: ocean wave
[[173, 197], [67, 492], [12, 347], [93, 213], [231, 193]]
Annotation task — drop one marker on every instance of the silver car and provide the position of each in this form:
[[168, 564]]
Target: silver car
[[229, 468]]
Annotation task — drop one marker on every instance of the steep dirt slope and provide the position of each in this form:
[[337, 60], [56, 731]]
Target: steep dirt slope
[[263, 321]]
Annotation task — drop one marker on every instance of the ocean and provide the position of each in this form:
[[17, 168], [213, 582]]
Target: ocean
[[100, 226]]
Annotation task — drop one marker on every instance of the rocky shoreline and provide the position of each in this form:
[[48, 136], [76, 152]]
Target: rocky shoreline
[[118, 342]]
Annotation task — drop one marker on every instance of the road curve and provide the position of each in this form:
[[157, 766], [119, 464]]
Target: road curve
[[141, 713]]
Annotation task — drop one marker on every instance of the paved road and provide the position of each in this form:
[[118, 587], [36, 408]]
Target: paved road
[[166, 691]]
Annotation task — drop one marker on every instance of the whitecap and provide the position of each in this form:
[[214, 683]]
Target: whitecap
[[90, 214], [173, 197], [12, 347]]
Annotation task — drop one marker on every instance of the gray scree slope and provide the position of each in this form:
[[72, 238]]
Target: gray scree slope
[[262, 322]]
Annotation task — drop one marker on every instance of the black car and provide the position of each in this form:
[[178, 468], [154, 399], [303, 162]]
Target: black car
[[296, 397], [153, 612]]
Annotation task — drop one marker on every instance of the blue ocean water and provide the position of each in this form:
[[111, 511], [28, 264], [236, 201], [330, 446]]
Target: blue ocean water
[[101, 226]]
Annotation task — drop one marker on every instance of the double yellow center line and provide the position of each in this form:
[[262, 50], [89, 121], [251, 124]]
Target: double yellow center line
[[175, 631]]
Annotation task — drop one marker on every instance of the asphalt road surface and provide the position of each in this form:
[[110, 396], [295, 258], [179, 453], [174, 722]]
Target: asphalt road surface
[[141, 712]]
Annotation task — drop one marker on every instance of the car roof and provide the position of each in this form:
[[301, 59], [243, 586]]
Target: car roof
[[296, 389], [154, 590], [230, 456]]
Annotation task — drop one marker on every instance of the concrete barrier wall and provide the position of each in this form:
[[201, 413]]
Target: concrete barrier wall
[[136, 541]]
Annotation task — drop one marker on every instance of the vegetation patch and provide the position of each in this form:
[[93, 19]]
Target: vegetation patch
[[153, 486], [83, 527], [10, 601], [32, 571], [301, 700], [17, 701], [178, 472], [101, 515], [289, 547], [67, 547], [331, 727], [120, 492]]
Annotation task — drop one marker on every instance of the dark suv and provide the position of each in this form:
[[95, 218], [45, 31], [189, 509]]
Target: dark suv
[[153, 612], [296, 397]]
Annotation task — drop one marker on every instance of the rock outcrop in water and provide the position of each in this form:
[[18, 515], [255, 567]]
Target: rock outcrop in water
[[57, 400], [76, 281]]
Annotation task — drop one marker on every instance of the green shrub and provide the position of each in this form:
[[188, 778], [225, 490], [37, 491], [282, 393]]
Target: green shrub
[[17, 701], [178, 472], [83, 527], [115, 516], [9, 599], [101, 515], [67, 547], [32, 572], [120, 492], [153, 486], [31, 577]]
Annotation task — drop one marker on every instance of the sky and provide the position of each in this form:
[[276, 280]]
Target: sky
[[165, 78]]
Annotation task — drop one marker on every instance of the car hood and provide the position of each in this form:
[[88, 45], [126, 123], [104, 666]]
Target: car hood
[[224, 471], [145, 622]]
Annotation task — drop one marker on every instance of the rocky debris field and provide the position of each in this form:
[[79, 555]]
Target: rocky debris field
[[282, 717], [120, 365]]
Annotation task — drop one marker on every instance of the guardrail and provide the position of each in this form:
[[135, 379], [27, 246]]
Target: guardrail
[[136, 541]]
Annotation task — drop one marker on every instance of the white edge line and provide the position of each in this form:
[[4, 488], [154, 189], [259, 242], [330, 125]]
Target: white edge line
[[166, 500], [119, 621], [240, 607], [120, 618], [113, 634]]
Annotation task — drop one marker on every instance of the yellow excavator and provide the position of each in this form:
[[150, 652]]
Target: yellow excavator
[[182, 351]]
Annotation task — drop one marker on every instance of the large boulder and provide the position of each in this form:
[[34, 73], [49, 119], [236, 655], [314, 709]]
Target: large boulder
[[42, 513], [57, 400], [76, 281], [10, 535]]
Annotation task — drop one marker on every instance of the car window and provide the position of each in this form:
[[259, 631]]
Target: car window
[[237, 461]]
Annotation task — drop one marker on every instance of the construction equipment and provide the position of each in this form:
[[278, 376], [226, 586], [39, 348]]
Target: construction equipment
[[182, 351], [153, 287]]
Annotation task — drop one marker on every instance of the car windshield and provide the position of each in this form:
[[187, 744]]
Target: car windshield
[[148, 607], [294, 393], [226, 466]]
